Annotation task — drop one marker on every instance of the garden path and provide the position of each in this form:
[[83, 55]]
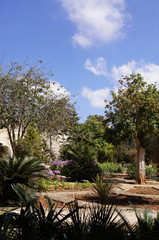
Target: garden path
[[124, 192]]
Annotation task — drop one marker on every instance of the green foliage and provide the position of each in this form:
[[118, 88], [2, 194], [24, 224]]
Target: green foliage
[[88, 136], [44, 184], [26, 97], [3, 150], [102, 189], [126, 151], [131, 171], [105, 151], [15, 171], [95, 128], [134, 108], [94, 222], [111, 167], [83, 165], [22, 96], [80, 170], [78, 150], [150, 171], [30, 145], [146, 227]]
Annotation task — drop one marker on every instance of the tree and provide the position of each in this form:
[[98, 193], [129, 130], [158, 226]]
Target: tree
[[90, 134], [22, 97], [26, 98], [31, 145], [134, 110]]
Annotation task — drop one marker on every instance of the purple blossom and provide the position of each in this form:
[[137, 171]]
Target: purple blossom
[[58, 176], [61, 163], [94, 163], [49, 172], [34, 178], [56, 172]]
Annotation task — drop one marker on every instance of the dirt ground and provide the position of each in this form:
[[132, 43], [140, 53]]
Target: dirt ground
[[125, 191]]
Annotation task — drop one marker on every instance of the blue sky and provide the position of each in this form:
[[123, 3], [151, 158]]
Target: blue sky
[[88, 43]]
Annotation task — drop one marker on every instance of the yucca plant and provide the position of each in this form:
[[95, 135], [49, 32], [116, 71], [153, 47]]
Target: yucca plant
[[15, 171], [79, 224], [95, 222], [102, 189], [106, 223]]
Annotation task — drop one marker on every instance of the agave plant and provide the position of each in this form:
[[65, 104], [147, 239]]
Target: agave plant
[[15, 171], [102, 189]]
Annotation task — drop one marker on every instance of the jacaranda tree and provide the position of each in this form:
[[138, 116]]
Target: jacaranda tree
[[134, 110]]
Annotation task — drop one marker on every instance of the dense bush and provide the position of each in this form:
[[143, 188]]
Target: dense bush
[[80, 170], [83, 165]]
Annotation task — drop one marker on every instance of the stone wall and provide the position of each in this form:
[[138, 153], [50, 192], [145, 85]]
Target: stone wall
[[4, 139], [56, 142]]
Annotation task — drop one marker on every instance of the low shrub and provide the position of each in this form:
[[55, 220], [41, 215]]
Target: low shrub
[[111, 167], [150, 171], [131, 171], [44, 184]]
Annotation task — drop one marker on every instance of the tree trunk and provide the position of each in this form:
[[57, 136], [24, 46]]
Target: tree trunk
[[141, 175]]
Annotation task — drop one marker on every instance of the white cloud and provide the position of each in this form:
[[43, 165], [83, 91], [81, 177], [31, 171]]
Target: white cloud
[[149, 71], [96, 97], [97, 21], [98, 67], [59, 90]]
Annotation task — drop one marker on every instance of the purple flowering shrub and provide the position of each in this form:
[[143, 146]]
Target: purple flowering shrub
[[58, 165], [54, 175]]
